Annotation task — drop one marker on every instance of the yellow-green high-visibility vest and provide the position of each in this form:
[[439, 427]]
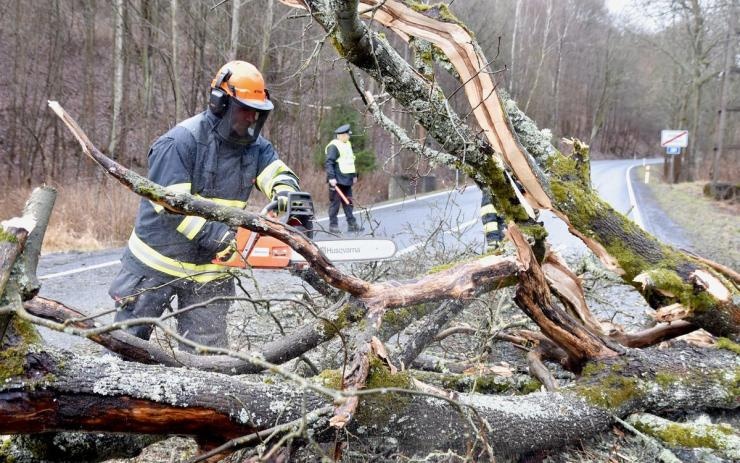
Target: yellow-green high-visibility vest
[[346, 161]]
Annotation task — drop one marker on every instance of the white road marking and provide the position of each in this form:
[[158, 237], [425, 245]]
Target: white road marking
[[636, 215], [402, 201], [79, 270]]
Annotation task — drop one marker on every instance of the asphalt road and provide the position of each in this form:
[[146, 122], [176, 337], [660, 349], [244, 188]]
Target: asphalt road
[[81, 279]]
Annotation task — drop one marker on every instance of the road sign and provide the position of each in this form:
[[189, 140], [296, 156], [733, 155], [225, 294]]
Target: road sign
[[673, 150], [674, 138]]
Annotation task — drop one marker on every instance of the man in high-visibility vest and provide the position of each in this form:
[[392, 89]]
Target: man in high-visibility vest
[[217, 155], [341, 175]]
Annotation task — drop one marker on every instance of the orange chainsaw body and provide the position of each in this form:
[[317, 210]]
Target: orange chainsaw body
[[260, 251], [266, 252], [269, 252]]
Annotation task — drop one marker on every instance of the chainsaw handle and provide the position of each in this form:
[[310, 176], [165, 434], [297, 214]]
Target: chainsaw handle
[[299, 213]]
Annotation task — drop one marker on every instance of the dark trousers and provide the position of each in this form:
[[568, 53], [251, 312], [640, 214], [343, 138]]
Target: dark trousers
[[139, 296], [335, 201]]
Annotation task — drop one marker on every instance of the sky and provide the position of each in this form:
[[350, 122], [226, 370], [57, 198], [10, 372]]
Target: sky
[[626, 11], [616, 6]]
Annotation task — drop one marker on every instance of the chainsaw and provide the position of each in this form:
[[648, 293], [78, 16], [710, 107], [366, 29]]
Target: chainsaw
[[260, 251]]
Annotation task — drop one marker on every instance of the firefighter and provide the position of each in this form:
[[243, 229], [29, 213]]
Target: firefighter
[[218, 155], [341, 175]]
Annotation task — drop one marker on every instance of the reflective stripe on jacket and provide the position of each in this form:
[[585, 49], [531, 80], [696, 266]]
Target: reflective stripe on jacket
[[191, 158], [493, 222], [340, 161]]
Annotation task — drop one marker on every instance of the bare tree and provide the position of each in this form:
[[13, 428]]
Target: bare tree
[[605, 92], [562, 37], [89, 95], [118, 69], [692, 25], [512, 69], [235, 27], [175, 61], [544, 49], [267, 24], [724, 92]]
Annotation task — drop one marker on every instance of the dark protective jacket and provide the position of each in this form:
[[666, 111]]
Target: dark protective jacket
[[333, 163], [192, 158]]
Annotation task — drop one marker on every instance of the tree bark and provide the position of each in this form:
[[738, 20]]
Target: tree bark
[[175, 62], [542, 54], [513, 77], [724, 93], [235, 23], [118, 54], [267, 24], [58, 391]]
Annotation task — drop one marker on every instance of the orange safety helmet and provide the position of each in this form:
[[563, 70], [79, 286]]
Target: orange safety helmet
[[240, 101], [241, 81]]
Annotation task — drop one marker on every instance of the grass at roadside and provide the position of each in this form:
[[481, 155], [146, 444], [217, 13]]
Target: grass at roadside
[[88, 214], [713, 226]]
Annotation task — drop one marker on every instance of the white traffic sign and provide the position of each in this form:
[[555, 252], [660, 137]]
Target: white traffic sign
[[673, 150], [674, 138]]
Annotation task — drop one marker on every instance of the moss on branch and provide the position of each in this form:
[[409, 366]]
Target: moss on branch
[[719, 437]]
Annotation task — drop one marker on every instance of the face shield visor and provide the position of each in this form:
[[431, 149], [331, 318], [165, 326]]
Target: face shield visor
[[241, 124]]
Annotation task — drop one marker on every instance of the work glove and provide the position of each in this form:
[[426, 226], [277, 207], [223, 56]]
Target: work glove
[[227, 249], [333, 182]]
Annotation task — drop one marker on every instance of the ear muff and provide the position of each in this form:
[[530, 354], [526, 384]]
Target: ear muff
[[218, 99]]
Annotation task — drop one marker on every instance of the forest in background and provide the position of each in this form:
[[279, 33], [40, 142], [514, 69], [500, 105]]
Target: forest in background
[[131, 69]]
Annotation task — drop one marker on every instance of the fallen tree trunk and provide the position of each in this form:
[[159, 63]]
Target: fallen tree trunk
[[661, 273], [58, 391], [74, 446]]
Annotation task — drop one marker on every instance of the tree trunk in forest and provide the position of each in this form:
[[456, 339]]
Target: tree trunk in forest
[[88, 99], [175, 64], [602, 106], [513, 77], [198, 62], [149, 27], [569, 13], [692, 151], [235, 26], [695, 17], [119, 61], [542, 54], [724, 93], [266, 23]]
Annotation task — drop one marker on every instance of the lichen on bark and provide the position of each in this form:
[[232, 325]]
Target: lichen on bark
[[719, 437]]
